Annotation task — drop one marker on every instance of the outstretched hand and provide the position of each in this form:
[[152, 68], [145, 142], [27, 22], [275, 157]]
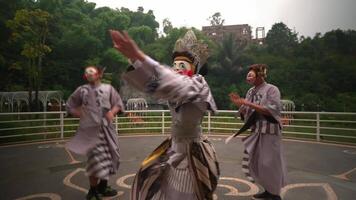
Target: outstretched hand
[[124, 43]]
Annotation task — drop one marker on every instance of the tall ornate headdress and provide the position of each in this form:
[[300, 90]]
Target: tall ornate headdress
[[198, 51]]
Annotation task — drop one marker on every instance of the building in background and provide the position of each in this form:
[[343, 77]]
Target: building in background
[[240, 32]]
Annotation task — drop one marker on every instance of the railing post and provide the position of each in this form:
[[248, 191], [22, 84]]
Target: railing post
[[45, 124], [61, 121], [209, 126], [163, 122], [318, 126]]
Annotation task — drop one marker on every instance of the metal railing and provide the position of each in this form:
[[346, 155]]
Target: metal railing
[[319, 126]]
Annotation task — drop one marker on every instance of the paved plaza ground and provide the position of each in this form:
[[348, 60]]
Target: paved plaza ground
[[316, 171]]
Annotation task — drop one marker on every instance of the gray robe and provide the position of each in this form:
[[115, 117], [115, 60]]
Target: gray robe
[[94, 103], [266, 161], [185, 165]]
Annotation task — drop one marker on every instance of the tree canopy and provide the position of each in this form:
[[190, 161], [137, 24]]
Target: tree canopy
[[66, 35]]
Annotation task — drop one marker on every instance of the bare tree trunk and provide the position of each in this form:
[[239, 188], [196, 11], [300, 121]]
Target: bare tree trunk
[[35, 80], [38, 86], [30, 84]]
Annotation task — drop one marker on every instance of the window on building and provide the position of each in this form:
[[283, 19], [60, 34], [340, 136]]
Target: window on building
[[244, 31]]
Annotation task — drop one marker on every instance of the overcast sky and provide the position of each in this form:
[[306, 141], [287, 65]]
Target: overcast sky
[[307, 17]]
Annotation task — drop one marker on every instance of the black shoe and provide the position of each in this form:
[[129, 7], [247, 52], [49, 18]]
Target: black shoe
[[263, 195], [93, 195], [107, 192], [275, 197]]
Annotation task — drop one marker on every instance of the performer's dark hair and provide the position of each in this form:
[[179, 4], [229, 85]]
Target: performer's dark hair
[[259, 69], [184, 54]]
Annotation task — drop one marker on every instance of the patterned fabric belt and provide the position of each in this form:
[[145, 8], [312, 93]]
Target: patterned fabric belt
[[179, 144], [186, 138]]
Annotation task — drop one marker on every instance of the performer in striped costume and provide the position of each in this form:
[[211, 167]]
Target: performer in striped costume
[[96, 104], [263, 161], [184, 166]]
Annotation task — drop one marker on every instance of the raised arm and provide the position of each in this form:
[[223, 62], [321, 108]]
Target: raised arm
[[148, 76]]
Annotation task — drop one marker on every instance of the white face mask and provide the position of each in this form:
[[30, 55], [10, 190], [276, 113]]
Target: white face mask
[[91, 74], [251, 77], [180, 65]]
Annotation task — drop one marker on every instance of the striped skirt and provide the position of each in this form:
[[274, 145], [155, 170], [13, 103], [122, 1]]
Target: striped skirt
[[100, 163], [177, 184], [191, 176], [246, 166]]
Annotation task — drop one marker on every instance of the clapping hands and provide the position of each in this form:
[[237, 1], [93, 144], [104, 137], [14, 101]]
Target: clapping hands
[[237, 100]]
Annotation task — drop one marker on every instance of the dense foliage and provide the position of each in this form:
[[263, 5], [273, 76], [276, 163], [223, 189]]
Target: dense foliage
[[45, 44]]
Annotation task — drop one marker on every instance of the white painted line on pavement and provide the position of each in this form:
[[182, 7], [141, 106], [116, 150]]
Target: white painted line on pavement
[[343, 176], [51, 196], [328, 189]]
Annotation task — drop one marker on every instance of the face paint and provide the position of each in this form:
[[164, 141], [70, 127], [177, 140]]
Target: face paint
[[91, 74], [251, 77], [183, 67]]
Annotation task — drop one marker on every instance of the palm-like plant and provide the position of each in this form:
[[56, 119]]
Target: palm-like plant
[[228, 56]]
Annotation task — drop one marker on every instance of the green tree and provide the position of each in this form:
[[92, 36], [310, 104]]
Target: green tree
[[167, 25], [216, 19], [341, 42], [227, 64], [10, 51], [142, 34], [30, 27], [281, 40], [115, 63]]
